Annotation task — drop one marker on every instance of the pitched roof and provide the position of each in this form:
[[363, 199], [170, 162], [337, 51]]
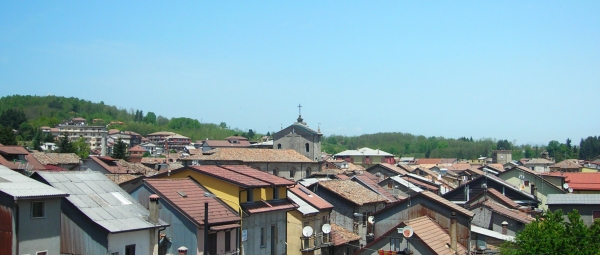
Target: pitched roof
[[310, 197], [372, 183], [406, 183], [573, 199], [428, 161], [192, 204], [393, 168], [567, 164], [29, 162], [225, 143], [121, 178], [446, 203], [502, 198], [255, 155], [365, 151], [421, 183], [120, 166], [20, 186], [510, 213], [239, 175], [534, 161], [340, 235], [352, 191], [56, 158], [137, 148], [101, 200]]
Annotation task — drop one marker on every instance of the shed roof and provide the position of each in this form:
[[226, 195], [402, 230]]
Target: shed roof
[[20, 186], [310, 197], [303, 207], [101, 200], [192, 204]]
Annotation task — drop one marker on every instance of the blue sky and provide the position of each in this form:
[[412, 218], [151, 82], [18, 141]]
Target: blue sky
[[526, 71]]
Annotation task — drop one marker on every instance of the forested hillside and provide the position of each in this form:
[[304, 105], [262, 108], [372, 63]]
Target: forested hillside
[[27, 113]]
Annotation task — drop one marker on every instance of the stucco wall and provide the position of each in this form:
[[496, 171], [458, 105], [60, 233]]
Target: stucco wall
[[140, 238]]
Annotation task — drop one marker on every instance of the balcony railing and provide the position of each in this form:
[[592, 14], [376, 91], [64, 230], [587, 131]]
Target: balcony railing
[[315, 241]]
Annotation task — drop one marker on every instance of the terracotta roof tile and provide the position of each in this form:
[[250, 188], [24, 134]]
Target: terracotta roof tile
[[310, 197], [366, 179], [225, 143], [121, 178], [242, 176], [56, 158], [255, 155], [428, 161], [447, 203], [417, 182], [394, 168], [434, 236], [352, 191], [504, 199], [264, 176], [511, 213], [340, 235], [192, 204], [137, 148]]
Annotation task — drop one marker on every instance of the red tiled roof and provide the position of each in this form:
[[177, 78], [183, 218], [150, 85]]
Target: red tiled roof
[[567, 164], [225, 143], [340, 235], [192, 205], [31, 163], [434, 236], [446, 202], [352, 191], [311, 198], [583, 181], [137, 148], [415, 181], [428, 161], [255, 155], [504, 199], [268, 206], [511, 213], [13, 150], [56, 158], [264, 176], [394, 168], [122, 167]]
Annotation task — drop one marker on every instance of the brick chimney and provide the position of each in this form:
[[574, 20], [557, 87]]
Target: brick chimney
[[504, 228], [453, 231]]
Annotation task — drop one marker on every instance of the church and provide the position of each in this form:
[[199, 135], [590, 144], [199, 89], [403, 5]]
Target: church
[[299, 137]]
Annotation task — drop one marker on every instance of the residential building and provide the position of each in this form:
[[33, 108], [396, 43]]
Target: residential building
[[436, 212], [312, 212], [149, 147], [353, 204], [30, 215], [229, 142], [567, 165], [385, 170], [18, 158], [401, 188], [169, 140], [136, 153], [108, 165], [498, 218], [98, 217], [531, 182], [585, 204], [466, 191], [261, 196], [540, 165], [93, 135], [371, 182], [285, 163], [366, 156], [67, 161], [183, 204]]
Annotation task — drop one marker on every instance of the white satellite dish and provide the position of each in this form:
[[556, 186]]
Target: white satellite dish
[[566, 186], [407, 231], [326, 228], [570, 190], [371, 219], [307, 231]]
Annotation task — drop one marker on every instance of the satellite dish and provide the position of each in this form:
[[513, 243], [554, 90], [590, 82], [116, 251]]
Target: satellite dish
[[307, 231], [407, 231], [570, 190], [326, 228], [566, 186], [371, 219]]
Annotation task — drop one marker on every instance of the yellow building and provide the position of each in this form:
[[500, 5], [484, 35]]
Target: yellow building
[[261, 199], [308, 228]]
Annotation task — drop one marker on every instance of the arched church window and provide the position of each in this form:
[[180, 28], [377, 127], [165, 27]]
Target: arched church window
[[306, 146]]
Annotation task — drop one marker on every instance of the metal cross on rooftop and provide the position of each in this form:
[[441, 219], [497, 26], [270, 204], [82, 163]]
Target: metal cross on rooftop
[[299, 108]]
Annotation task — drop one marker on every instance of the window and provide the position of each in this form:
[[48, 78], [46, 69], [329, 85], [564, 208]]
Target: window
[[228, 241], [306, 147], [395, 244], [390, 185], [279, 146], [130, 249], [249, 195], [114, 253], [38, 209], [308, 172], [292, 172], [276, 193], [276, 171], [263, 237], [595, 215]]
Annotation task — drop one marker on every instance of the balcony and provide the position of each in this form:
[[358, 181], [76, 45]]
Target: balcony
[[315, 242]]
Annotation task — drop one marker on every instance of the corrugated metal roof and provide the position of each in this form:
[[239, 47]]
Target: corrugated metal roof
[[573, 199], [101, 200], [22, 187], [304, 207], [490, 233]]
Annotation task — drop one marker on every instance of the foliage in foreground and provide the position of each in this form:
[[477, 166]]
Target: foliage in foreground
[[551, 234]]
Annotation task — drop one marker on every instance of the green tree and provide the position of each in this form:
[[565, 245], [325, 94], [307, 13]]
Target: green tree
[[146, 154], [251, 134], [161, 120], [12, 118], [550, 234], [150, 118], [36, 141], [223, 125], [7, 136], [64, 144], [119, 150], [48, 138], [81, 148]]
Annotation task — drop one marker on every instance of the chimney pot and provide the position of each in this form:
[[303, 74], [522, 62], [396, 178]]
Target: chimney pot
[[153, 208], [453, 231], [504, 228]]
